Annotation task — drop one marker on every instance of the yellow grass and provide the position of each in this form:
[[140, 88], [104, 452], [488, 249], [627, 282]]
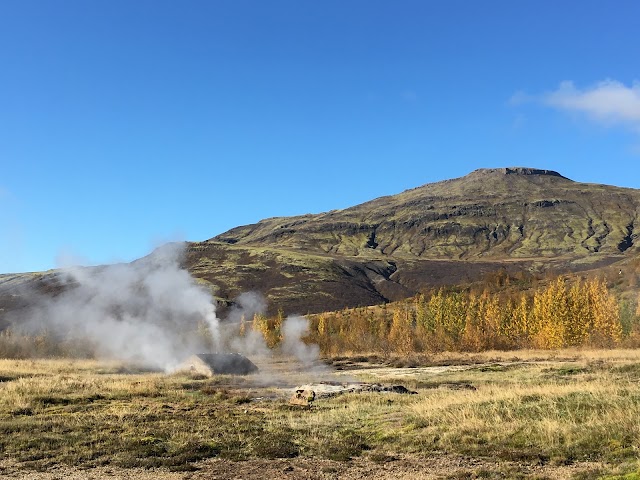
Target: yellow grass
[[526, 407]]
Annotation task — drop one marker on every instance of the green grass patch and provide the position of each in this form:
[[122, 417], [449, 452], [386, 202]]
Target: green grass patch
[[530, 414]]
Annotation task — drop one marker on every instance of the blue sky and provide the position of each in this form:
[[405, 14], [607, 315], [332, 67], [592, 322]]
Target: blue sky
[[124, 124]]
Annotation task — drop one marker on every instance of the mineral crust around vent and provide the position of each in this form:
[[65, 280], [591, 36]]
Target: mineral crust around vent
[[305, 394]]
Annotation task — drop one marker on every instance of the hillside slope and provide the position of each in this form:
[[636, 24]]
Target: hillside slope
[[490, 213], [447, 232]]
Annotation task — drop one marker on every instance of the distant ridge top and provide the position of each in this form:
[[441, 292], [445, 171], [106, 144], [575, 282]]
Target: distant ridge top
[[518, 171]]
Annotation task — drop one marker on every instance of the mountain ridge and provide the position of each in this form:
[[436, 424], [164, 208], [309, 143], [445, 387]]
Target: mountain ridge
[[447, 208], [517, 220], [453, 231]]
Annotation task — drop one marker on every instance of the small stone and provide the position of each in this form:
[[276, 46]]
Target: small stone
[[303, 398]]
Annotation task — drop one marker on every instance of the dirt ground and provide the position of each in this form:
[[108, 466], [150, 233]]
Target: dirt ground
[[403, 467]]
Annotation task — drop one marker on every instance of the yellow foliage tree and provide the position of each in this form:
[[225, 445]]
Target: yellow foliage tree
[[260, 324], [471, 337], [577, 328], [400, 334], [453, 318], [492, 320], [550, 314], [606, 330], [519, 330]]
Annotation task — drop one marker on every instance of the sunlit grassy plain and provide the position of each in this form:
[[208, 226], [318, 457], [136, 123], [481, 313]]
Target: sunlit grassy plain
[[560, 408]]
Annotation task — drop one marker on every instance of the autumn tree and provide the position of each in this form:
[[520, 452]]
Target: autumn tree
[[606, 330], [401, 332]]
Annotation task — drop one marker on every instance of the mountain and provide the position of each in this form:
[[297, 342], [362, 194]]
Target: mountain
[[518, 220], [497, 213], [449, 232]]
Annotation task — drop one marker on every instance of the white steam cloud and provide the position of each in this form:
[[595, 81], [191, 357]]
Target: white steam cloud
[[145, 312], [151, 312], [294, 328], [246, 306]]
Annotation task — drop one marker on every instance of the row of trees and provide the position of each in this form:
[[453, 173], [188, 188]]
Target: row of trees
[[558, 315]]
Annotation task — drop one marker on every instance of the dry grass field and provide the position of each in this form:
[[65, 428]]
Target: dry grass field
[[527, 414]]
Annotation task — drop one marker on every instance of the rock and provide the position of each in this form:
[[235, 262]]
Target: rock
[[303, 398], [399, 389]]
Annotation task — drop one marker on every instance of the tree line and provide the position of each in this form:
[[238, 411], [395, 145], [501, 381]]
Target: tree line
[[581, 314]]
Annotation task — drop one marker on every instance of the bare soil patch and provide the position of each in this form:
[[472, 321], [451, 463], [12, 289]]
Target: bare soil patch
[[380, 467]]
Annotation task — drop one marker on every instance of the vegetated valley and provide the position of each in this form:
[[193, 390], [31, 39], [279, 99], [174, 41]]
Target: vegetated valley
[[507, 300]]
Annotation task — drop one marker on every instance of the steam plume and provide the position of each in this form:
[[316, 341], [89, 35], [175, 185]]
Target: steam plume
[[153, 313], [294, 328], [146, 312]]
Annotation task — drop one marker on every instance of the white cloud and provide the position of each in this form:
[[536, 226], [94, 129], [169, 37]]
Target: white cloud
[[609, 102], [519, 98]]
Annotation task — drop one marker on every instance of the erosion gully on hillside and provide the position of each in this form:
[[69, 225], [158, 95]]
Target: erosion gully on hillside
[[567, 414]]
